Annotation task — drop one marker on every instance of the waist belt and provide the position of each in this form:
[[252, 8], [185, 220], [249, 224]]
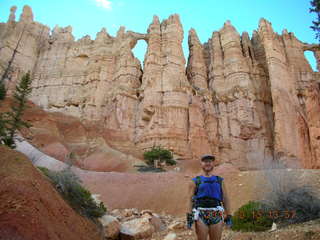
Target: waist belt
[[207, 203]]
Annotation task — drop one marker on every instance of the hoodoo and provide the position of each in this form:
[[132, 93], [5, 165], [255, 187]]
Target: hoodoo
[[249, 101]]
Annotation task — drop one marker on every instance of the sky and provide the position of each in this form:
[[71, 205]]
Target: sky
[[87, 17]]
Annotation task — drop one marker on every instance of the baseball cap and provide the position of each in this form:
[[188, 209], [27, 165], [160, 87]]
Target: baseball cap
[[207, 157]]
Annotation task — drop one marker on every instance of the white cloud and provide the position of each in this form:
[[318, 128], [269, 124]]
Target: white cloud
[[104, 3]]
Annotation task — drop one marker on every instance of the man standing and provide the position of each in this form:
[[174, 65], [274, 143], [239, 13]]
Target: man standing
[[209, 203]]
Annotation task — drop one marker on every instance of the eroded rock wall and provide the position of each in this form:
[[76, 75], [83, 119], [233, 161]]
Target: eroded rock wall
[[291, 78], [241, 99], [250, 101], [163, 117], [20, 45]]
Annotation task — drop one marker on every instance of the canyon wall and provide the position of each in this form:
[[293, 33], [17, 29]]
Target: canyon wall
[[250, 101]]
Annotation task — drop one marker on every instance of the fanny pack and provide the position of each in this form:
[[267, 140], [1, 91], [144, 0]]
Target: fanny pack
[[207, 203]]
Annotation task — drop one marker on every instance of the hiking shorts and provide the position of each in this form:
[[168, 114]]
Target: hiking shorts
[[209, 216]]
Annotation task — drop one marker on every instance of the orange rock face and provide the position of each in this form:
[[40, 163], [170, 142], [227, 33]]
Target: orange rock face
[[248, 101]]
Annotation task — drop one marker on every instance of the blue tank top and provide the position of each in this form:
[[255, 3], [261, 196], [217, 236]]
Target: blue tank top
[[208, 187]]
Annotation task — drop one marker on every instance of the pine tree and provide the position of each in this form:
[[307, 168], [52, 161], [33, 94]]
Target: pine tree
[[3, 131], [2, 91], [316, 24], [160, 154], [12, 121], [3, 121]]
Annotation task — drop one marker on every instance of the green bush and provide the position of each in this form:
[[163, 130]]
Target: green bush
[[292, 200], [300, 204], [44, 170], [79, 198], [158, 153], [171, 162], [252, 216], [3, 91]]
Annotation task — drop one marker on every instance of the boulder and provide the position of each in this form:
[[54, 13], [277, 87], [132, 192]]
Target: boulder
[[138, 228], [171, 236], [154, 219], [177, 225], [111, 226]]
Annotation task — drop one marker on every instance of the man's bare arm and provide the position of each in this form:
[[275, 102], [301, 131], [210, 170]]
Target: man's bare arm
[[191, 190]]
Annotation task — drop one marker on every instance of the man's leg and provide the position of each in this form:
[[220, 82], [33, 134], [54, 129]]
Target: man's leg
[[201, 230], [215, 231]]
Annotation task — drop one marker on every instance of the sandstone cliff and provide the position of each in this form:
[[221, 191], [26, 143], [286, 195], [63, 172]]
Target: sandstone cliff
[[250, 101]]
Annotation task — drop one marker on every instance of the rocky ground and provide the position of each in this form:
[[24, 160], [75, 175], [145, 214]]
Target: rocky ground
[[168, 227], [309, 230]]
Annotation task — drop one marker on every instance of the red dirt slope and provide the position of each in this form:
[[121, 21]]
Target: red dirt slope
[[30, 207]]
